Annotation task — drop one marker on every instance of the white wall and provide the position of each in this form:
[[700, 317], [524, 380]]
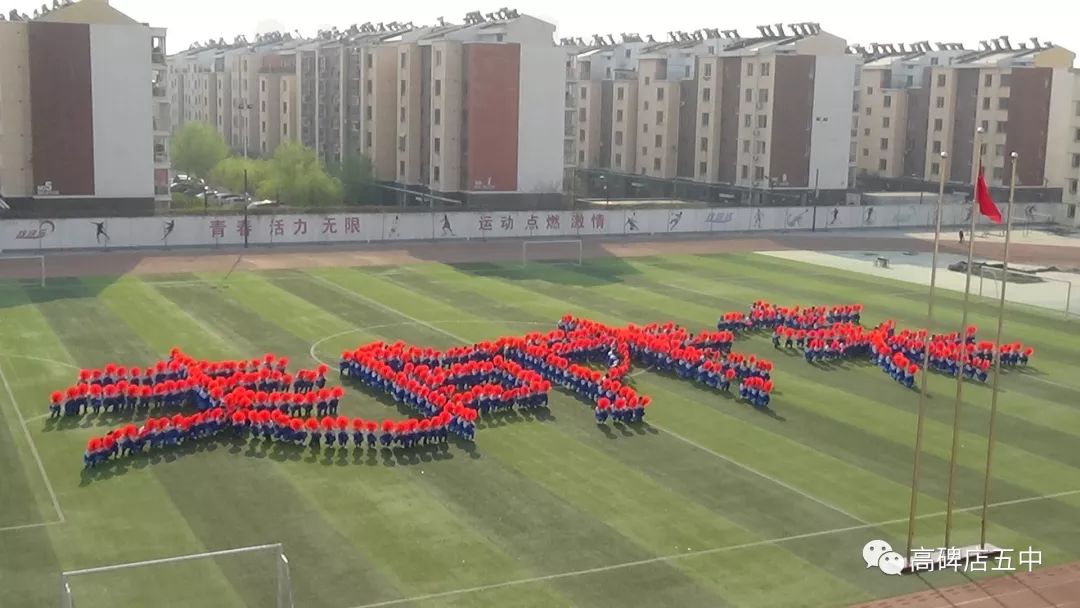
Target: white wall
[[540, 119], [123, 110], [830, 139]]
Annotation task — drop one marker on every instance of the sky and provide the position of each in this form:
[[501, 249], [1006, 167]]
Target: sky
[[858, 22]]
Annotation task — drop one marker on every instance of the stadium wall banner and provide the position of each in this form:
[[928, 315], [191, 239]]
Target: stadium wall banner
[[263, 230]]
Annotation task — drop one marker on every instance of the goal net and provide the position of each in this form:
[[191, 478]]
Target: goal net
[[564, 250], [23, 268], [1037, 221], [247, 576]]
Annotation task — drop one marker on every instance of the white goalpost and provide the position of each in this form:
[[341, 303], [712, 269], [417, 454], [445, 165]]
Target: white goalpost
[[562, 250], [245, 576], [17, 267]]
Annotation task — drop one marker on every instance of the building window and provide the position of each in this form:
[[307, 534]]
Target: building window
[[705, 146], [438, 88], [686, 71], [1076, 161], [581, 135], [935, 168], [581, 115], [759, 173], [402, 114], [581, 156], [866, 132], [618, 161], [644, 127], [760, 147], [403, 67], [702, 168], [264, 126], [1003, 103], [644, 151], [1002, 126], [619, 93], [746, 146], [985, 126], [986, 103], [659, 140], [1076, 134], [262, 106], [749, 69], [706, 94], [438, 57], [656, 164], [437, 117], [749, 96], [1004, 80], [988, 80], [708, 70], [939, 102], [645, 105], [885, 122], [936, 149], [627, 53], [763, 121], [748, 120], [618, 115], [647, 80], [660, 94], [869, 90], [868, 112], [982, 150], [998, 173], [705, 120], [888, 101], [763, 95], [765, 68], [1076, 108], [618, 138], [367, 86], [284, 107], [367, 112], [866, 151], [884, 143], [262, 86], [659, 117], [401, 164], [744, 172], [882, 165], [940, 79], [437, 145], [584, 90]]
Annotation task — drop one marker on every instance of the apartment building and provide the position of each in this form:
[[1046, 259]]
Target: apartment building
[[772, 111], [922, 100], [84, 109], [478, 109]]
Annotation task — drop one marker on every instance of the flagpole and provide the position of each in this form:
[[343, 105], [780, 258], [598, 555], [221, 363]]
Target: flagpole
[[921, 417], [997, 355], [962, 354]]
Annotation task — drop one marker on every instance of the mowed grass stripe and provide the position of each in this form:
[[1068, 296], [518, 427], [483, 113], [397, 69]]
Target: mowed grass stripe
[[969, 480], [221, 511], [528, 522], [88, 539], [577, 482], [810, 464]]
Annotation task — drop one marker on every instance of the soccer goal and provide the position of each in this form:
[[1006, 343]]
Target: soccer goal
[[1035, 221], [23, 267], [564, 250], [246, 576]]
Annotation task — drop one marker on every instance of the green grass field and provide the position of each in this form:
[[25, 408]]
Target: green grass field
[[710, 505]]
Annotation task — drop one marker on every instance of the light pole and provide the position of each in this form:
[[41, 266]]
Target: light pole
[[245, 108]]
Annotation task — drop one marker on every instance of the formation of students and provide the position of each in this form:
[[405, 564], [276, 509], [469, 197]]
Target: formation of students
[[830, 333]]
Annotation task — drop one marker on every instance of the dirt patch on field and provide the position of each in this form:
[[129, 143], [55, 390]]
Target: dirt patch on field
[[98, 263], [1056, 587]]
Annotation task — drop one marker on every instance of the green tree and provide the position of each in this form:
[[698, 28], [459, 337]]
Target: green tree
[[357, 176], [296, 177], [229, 173], [197, 148]]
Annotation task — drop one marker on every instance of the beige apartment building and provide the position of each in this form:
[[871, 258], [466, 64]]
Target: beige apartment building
[[921, 100]]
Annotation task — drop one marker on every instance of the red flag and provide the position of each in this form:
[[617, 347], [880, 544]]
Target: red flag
[[986, 203]]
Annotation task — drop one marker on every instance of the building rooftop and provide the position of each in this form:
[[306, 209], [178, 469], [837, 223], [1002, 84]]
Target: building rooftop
[[84, 11]]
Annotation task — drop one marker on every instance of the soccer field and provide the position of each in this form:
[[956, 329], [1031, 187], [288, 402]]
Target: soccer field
[[709, 504]]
